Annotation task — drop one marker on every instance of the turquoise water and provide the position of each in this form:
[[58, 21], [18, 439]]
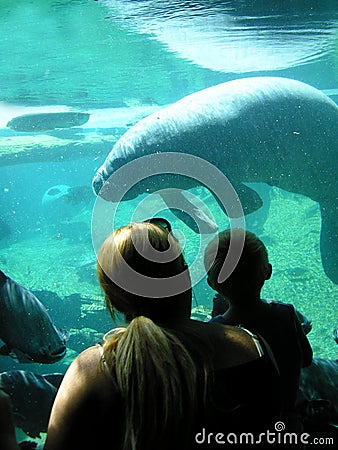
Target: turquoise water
[[120, 61]]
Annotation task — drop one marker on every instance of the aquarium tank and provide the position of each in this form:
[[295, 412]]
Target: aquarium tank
[[77, 75]]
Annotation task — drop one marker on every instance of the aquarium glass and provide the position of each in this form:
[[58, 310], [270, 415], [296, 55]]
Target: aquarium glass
[[75, 75]]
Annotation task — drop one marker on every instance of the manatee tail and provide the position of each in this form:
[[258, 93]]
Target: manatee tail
[[329, 240]]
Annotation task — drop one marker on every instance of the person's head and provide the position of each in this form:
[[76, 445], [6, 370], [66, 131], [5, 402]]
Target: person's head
[[251, 271], [153, 369], [142, 272]]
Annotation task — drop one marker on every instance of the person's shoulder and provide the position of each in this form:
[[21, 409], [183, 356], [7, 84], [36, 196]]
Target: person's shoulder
[[236, 346], [89, 355], [279, 308], [87, 363], [278, 303], [89, 372]]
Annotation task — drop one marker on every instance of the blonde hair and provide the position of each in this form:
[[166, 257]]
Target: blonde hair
[[153, 369], [252, 268], [139, 256]]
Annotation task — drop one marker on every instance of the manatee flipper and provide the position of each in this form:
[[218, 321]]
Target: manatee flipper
[[199, 223], [197, 220], [249, 198], [189, 213], [251, 201], [329, 239]]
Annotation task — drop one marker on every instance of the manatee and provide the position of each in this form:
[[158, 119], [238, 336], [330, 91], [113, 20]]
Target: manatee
[[79, 194], [72, 195], [47, 121], [273, 130], [54, 193], [27, 330]]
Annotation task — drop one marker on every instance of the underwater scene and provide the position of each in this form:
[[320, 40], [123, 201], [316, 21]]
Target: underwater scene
[[76, 76]]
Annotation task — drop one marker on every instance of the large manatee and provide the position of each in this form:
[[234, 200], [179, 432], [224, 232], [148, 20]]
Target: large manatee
[[266, 129]]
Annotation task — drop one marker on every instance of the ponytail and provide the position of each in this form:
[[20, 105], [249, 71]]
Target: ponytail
[[156, 377]]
